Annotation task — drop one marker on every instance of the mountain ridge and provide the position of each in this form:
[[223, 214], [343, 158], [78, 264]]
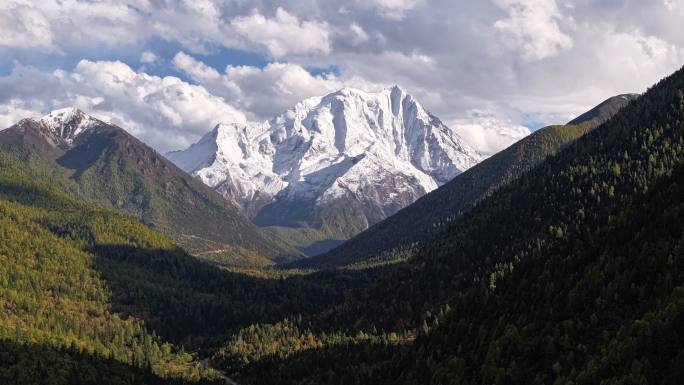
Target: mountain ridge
[[105, 164], [605, 110]]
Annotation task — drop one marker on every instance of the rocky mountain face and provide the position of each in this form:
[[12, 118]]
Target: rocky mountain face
[[102, 163], [337, 163]]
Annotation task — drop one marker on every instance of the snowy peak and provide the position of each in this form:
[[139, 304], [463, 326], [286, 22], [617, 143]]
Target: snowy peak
[[68, 123], [198, 155], [355, 120], [382, 150]]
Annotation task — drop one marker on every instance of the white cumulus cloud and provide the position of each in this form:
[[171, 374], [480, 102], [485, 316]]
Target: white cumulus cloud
[[197, 70], [23, 25], [264, 92], [148, 57], [488, 134], [165, 112], [284, 33], [14, 110], [510, 59], [358, 34], [533, 26]]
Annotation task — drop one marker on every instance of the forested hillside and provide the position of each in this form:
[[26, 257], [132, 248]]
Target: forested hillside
[[605, 307], [399, 235], [569, 274], [91, 296], [56, 324]]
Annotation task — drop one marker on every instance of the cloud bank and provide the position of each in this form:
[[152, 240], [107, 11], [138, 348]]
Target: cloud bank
[[515, 62], [166, 112]]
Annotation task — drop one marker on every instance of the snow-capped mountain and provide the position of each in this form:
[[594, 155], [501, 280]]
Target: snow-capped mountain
[[53, 133], [104, 164], [340, 162], [67, 123]]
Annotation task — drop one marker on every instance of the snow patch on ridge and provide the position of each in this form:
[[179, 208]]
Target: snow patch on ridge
[[68, 123]]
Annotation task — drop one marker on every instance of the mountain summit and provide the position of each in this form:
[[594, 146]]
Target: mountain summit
[[68, 123], [338, 163], [605, 110]]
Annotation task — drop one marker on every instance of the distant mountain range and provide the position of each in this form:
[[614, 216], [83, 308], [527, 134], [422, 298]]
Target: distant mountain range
[[312, 177], [335, 164], [102, 163]]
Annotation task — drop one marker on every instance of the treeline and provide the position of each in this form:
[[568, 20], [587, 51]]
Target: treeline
[[288, 351]]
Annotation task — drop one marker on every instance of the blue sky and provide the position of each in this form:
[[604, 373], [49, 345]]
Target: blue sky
[[165, 50], [488, 68]]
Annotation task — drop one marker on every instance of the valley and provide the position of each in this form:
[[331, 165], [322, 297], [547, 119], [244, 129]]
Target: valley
[[306, 192], [482, 290]]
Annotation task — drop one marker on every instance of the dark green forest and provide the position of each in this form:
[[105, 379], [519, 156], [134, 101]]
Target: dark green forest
[[567, 271]]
